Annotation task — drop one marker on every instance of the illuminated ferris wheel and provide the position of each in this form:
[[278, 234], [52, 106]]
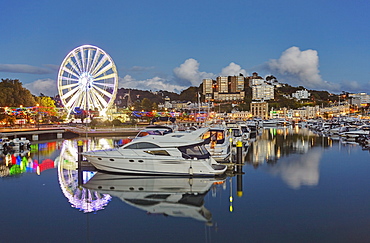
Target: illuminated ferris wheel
[[88, 80]]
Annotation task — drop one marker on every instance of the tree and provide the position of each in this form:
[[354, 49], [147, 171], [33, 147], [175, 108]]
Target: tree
[[13, 94], [137, 106], [146, 104], [46, 104]]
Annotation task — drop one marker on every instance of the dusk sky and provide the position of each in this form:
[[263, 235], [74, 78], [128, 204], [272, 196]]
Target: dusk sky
[[171, 45]]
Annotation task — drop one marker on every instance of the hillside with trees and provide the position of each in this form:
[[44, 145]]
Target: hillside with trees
[[13, 94]]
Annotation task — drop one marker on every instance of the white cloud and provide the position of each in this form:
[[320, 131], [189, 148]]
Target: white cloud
[[155, 83], [354, 86], [301, 68], [24, 68], [233, 70], [189, 71], [46, 86], [140, 69]]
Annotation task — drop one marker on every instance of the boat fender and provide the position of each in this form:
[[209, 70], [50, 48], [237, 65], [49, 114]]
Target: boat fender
[[191, 170]]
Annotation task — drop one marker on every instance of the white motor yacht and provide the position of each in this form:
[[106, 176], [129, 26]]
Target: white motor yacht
[[170, 154], [217, 142], [357, 132], [16, 144], [245, 132]]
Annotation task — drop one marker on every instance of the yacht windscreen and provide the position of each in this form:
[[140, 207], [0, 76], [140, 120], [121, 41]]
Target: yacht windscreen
[[194, 151]]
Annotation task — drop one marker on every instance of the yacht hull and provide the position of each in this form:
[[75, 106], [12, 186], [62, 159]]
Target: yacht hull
[[159, 166]]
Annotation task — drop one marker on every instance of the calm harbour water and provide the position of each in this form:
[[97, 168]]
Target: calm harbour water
[[296, 187]]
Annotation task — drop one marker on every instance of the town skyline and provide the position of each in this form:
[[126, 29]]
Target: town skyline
[[172, 46]]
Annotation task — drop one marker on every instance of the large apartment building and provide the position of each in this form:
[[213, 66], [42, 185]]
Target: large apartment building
[[262, 92], [222, 85], [236, 83], [224, 88], [232, 88]]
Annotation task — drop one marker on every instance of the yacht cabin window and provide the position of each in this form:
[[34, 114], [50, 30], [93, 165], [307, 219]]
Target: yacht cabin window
[[141, 145], [214, 135], [158, 152]]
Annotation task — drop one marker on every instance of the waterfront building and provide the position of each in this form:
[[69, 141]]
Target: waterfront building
[[240, 115], [334, 111], [260, 109], [360, 99], [307, 112]]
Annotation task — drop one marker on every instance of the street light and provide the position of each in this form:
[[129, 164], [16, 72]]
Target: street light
[[37, 117], [21, 112]]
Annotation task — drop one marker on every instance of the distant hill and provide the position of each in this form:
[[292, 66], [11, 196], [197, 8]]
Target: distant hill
[[190, 94], [282, 95]]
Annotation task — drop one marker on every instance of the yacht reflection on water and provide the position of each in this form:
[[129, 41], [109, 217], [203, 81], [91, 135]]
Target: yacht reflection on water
[[165, 195]]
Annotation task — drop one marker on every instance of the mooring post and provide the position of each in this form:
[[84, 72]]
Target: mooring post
[[80, 145], [239, 182], [239, 168], [239, 152]]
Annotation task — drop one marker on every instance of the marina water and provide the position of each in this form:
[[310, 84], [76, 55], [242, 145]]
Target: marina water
[[296, 186]]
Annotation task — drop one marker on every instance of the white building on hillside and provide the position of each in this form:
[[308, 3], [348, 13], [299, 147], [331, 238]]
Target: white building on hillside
[[263, 92], [301, 94]]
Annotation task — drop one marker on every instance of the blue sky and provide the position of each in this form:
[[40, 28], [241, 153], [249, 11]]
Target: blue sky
[[171, 45]]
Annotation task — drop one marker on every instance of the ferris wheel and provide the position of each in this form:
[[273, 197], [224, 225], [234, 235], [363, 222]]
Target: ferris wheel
[[88, 80]]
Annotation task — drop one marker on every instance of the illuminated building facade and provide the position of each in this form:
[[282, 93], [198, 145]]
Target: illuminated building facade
[[360, 99], [260, 109], [263, 92], [222, 84]]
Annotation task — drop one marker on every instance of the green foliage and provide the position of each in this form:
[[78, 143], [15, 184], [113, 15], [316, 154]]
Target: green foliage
[[225, 108], [287, 89], [146, 104], [46, 105], [155, 106], [190, 94], [13, 94], [116, 122], [2, 114], [137, 106], [244, 106], [94, 122], [107, 123]]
